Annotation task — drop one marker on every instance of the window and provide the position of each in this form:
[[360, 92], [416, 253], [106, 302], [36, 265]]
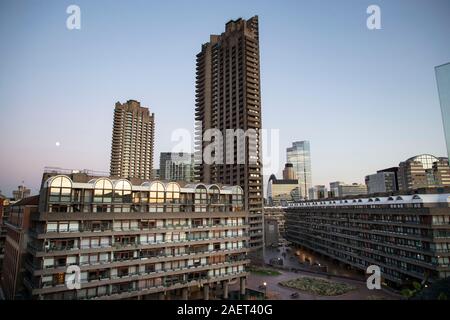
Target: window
[[237, 197], [173, 193], [122, 192], [200, 198], [103, 191], [60, 189], [214, 194], [157, 193]]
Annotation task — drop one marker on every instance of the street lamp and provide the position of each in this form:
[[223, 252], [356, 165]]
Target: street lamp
[[265, 289]]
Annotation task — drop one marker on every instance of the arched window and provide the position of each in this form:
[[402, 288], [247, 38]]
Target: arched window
[[60, 189], [201, 196], [122, 191], [103, 191], [156, 192], [214, 194], [173, 192]]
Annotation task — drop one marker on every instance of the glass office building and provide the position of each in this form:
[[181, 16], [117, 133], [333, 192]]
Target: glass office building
[[443, 84], [300, 157]]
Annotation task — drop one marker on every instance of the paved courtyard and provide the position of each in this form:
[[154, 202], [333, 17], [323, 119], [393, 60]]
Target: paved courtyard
[[311, 266], [278, 292]]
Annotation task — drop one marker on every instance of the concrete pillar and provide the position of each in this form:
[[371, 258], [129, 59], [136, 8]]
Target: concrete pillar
[[225, 289], [242, 286], [206, 292], [162, 296], [184, 294]]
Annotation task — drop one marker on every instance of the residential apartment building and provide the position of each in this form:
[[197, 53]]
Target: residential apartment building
[[228, 97], [176, 166], [16, 227], [406, 235], [4, 212], [147, 240], [132, 141]]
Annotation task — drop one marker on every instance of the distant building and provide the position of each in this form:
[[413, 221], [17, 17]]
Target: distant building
[[21, 193], [271, 232], [274, 230], [423, 171], [155, 173], [318, 192], [289, 172], [394, 170], [17, 227], [300, 157], [443, 84], [334, 188], [4, 212], [381, 182], [280, 192], [341, 189], [176, 166], [132, 141]]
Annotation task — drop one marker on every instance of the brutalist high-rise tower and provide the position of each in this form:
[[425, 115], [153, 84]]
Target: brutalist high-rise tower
[[228, 97], [132, 141]]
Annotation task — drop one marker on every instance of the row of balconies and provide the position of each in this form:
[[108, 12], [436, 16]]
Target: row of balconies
[[167, 287], [116, 230], [40, 251], [52, 286], [38, 268], [333, 242]]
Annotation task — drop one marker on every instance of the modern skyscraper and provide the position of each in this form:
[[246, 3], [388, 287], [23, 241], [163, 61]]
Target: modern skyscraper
[[132, 141], [300, 157], [443, 84], [176, 166], [228, 96]]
